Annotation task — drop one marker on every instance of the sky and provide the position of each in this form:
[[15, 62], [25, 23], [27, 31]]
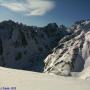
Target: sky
[[42, 12]]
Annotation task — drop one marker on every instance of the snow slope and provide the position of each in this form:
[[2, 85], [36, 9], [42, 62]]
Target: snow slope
[[26, 80]]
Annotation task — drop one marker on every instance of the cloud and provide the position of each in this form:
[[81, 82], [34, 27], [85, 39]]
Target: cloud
[[29, 7], [14, 6]]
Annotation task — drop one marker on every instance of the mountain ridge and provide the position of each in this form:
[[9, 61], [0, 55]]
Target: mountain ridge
[[25, 47], [51, 49]]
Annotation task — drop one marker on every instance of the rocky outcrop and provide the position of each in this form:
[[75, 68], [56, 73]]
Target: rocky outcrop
[[72, 53]]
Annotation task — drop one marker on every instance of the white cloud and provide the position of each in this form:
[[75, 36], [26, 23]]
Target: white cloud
[[30, 7], [14, 6]]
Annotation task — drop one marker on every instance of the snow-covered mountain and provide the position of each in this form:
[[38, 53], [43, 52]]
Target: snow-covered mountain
[[25, 47], [53, 49], [72, 53]]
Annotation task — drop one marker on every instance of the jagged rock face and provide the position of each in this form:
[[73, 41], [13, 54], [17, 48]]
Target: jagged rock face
[[25, 47], [72, 53]]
